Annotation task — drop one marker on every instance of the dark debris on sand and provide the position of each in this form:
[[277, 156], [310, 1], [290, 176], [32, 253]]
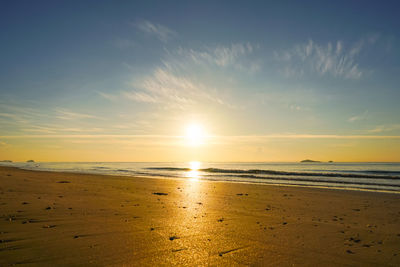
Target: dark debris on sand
[[180, 249], [79, 236], [30, 221], [160, 194], [355, 240]]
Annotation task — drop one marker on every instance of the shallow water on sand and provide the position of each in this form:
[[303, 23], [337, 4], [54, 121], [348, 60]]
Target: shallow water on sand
[[360, 176]]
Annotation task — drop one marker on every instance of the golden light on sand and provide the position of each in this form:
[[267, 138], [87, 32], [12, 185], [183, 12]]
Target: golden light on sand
[[195, 134]]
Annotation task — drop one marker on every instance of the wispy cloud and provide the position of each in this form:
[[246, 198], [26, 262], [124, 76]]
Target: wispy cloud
[[333, 59], [69, 115], [384, 128], [234, 55], [358, 117], [20, 114], [179, 83], [176, 84], [259, 138], [163, 33], [17, 116], [107, 95], [40, 129], [9, 115], [56, 129], [165, 87], [171, 89], [141, 97]]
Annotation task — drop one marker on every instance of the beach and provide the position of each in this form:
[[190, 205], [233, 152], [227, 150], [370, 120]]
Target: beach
[[69, 219]]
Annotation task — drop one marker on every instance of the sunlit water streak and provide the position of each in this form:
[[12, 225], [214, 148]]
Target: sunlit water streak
[[360, 176]]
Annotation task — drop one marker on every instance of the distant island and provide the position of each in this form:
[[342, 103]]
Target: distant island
[[31, 160], [309, 160], [6, 160]]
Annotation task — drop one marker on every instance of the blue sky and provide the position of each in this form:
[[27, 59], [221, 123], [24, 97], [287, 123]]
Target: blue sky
[[259, 70]]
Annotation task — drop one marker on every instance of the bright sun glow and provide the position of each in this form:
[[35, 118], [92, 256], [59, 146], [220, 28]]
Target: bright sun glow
[[194, 165], [195, 134]]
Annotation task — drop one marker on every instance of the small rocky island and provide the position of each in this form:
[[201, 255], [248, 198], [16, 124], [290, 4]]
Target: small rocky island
[[31, 160], [6, 160], [309, 161]]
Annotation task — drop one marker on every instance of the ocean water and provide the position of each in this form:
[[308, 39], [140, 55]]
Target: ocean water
[[356, 176]]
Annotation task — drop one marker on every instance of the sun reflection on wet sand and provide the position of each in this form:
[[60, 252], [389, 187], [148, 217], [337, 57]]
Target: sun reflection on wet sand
[[194, 173]]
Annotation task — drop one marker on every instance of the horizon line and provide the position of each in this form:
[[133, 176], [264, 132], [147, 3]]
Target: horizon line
[[274, 136]]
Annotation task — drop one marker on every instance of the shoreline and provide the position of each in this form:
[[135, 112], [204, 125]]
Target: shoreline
[[218, 181], [56, 218]]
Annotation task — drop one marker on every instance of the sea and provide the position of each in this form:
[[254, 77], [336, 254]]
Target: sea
[[384, 177]]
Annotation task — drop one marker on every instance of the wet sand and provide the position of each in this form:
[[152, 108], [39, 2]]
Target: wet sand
[[69, 219]]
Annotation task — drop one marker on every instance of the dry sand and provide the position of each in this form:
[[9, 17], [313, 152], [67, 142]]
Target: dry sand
[[50, 218]]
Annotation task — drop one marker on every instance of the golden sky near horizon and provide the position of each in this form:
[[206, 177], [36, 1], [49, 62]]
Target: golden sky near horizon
[[199, 146]]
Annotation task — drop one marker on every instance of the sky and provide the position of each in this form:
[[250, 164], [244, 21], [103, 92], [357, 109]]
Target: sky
[[263, 80]]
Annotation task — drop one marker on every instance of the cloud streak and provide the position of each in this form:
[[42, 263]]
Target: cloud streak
[[332, 59], [69, 115], [358, 117], [165, 87], [161, 32], [187, 79], [235, 55], [107, 96], [172, 90], [384, 128], [175, 83]]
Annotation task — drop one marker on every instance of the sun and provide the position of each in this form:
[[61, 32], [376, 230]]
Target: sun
[[194, 165], [195, 134]]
